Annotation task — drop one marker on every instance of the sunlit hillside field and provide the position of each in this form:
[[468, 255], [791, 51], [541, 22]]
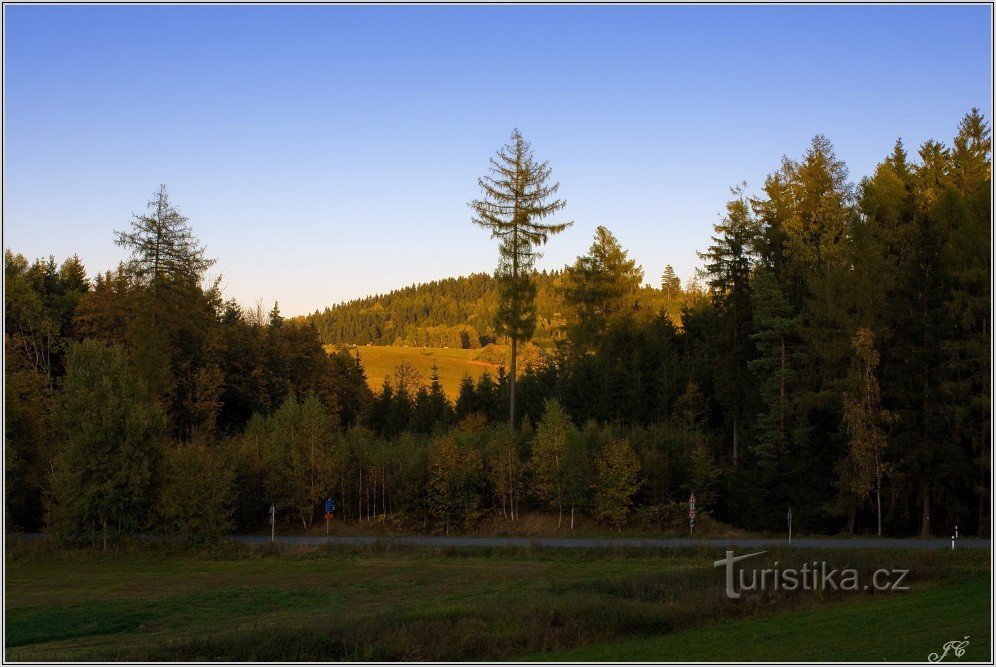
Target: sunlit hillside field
[[453, 363], [242, 603]]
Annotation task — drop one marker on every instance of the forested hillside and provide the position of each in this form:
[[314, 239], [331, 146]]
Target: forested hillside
[[836, 361], [455, 312]]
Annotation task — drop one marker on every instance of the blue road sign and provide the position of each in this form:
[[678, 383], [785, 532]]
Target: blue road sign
[[329, 506]]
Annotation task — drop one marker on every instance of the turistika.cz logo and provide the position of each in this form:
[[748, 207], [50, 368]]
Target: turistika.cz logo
[[814, 576]]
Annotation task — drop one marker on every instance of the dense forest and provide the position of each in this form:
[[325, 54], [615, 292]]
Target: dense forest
[[460, 312], [836, 359]]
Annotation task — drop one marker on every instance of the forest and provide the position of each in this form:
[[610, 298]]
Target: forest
[[833, 357], [460, 312]]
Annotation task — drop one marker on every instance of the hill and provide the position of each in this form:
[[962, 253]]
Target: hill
[[453, 313]]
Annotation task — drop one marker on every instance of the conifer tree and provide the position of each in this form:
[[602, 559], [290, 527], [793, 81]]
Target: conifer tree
[[466, 402], [517, 196], [598, 288], [670, 284], [163, 245], [729, 262], [775, 337]]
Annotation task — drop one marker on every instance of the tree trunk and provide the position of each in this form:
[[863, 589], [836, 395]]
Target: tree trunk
[[511, 385], [852, 512], [878, 501], [781, 392], [984, 496], [572, 517], [735, 441]]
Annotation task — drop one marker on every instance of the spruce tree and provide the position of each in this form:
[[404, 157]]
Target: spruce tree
[[670, 284], [517, 196], [598, 288], [729, 262]]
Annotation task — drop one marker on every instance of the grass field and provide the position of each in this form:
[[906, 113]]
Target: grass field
[[453, 363], [239, 603], [907, 629]]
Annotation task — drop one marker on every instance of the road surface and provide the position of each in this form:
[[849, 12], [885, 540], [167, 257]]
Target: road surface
[[627, 542], [585, 543]]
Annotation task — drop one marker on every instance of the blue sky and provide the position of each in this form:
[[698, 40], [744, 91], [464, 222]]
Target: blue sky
[[324, 153]]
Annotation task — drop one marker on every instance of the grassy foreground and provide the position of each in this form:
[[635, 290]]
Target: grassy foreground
[[902, 629], [239, 603]]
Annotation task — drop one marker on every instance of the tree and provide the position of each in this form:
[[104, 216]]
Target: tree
[[162, 245], [729, 263], [549, 457], [599, 288], [580, 470], [775, 327], [618, 468], [670, 284], [195, 502], [40, 300], [517, 197], [454, 470], [27, 451], [432, 410], [506, 469], [866, 424], [967, 215], [38, 310], [173, 331], [112, 433], [804, 246], [275, 318], [296, 443], [466, 402]]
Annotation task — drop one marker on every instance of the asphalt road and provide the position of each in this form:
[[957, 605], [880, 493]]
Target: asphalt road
[[628, 542], [586, 543]]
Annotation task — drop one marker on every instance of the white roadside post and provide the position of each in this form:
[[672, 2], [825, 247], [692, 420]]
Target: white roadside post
[[790, 524], [273, 523], [691, 513]]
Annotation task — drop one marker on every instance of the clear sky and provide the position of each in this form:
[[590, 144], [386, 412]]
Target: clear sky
[[324, 152]]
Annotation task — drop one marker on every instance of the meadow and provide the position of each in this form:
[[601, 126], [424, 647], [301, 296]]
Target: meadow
[[453, 363], [390, 603]]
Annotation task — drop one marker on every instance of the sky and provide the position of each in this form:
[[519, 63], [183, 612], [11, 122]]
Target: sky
[[324, 153]]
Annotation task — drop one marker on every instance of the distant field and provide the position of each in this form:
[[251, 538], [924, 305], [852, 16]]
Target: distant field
[[384, 603], [453, 363]]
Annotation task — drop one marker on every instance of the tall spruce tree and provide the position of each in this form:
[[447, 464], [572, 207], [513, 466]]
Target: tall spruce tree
[[729, 262], [517, 196]]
